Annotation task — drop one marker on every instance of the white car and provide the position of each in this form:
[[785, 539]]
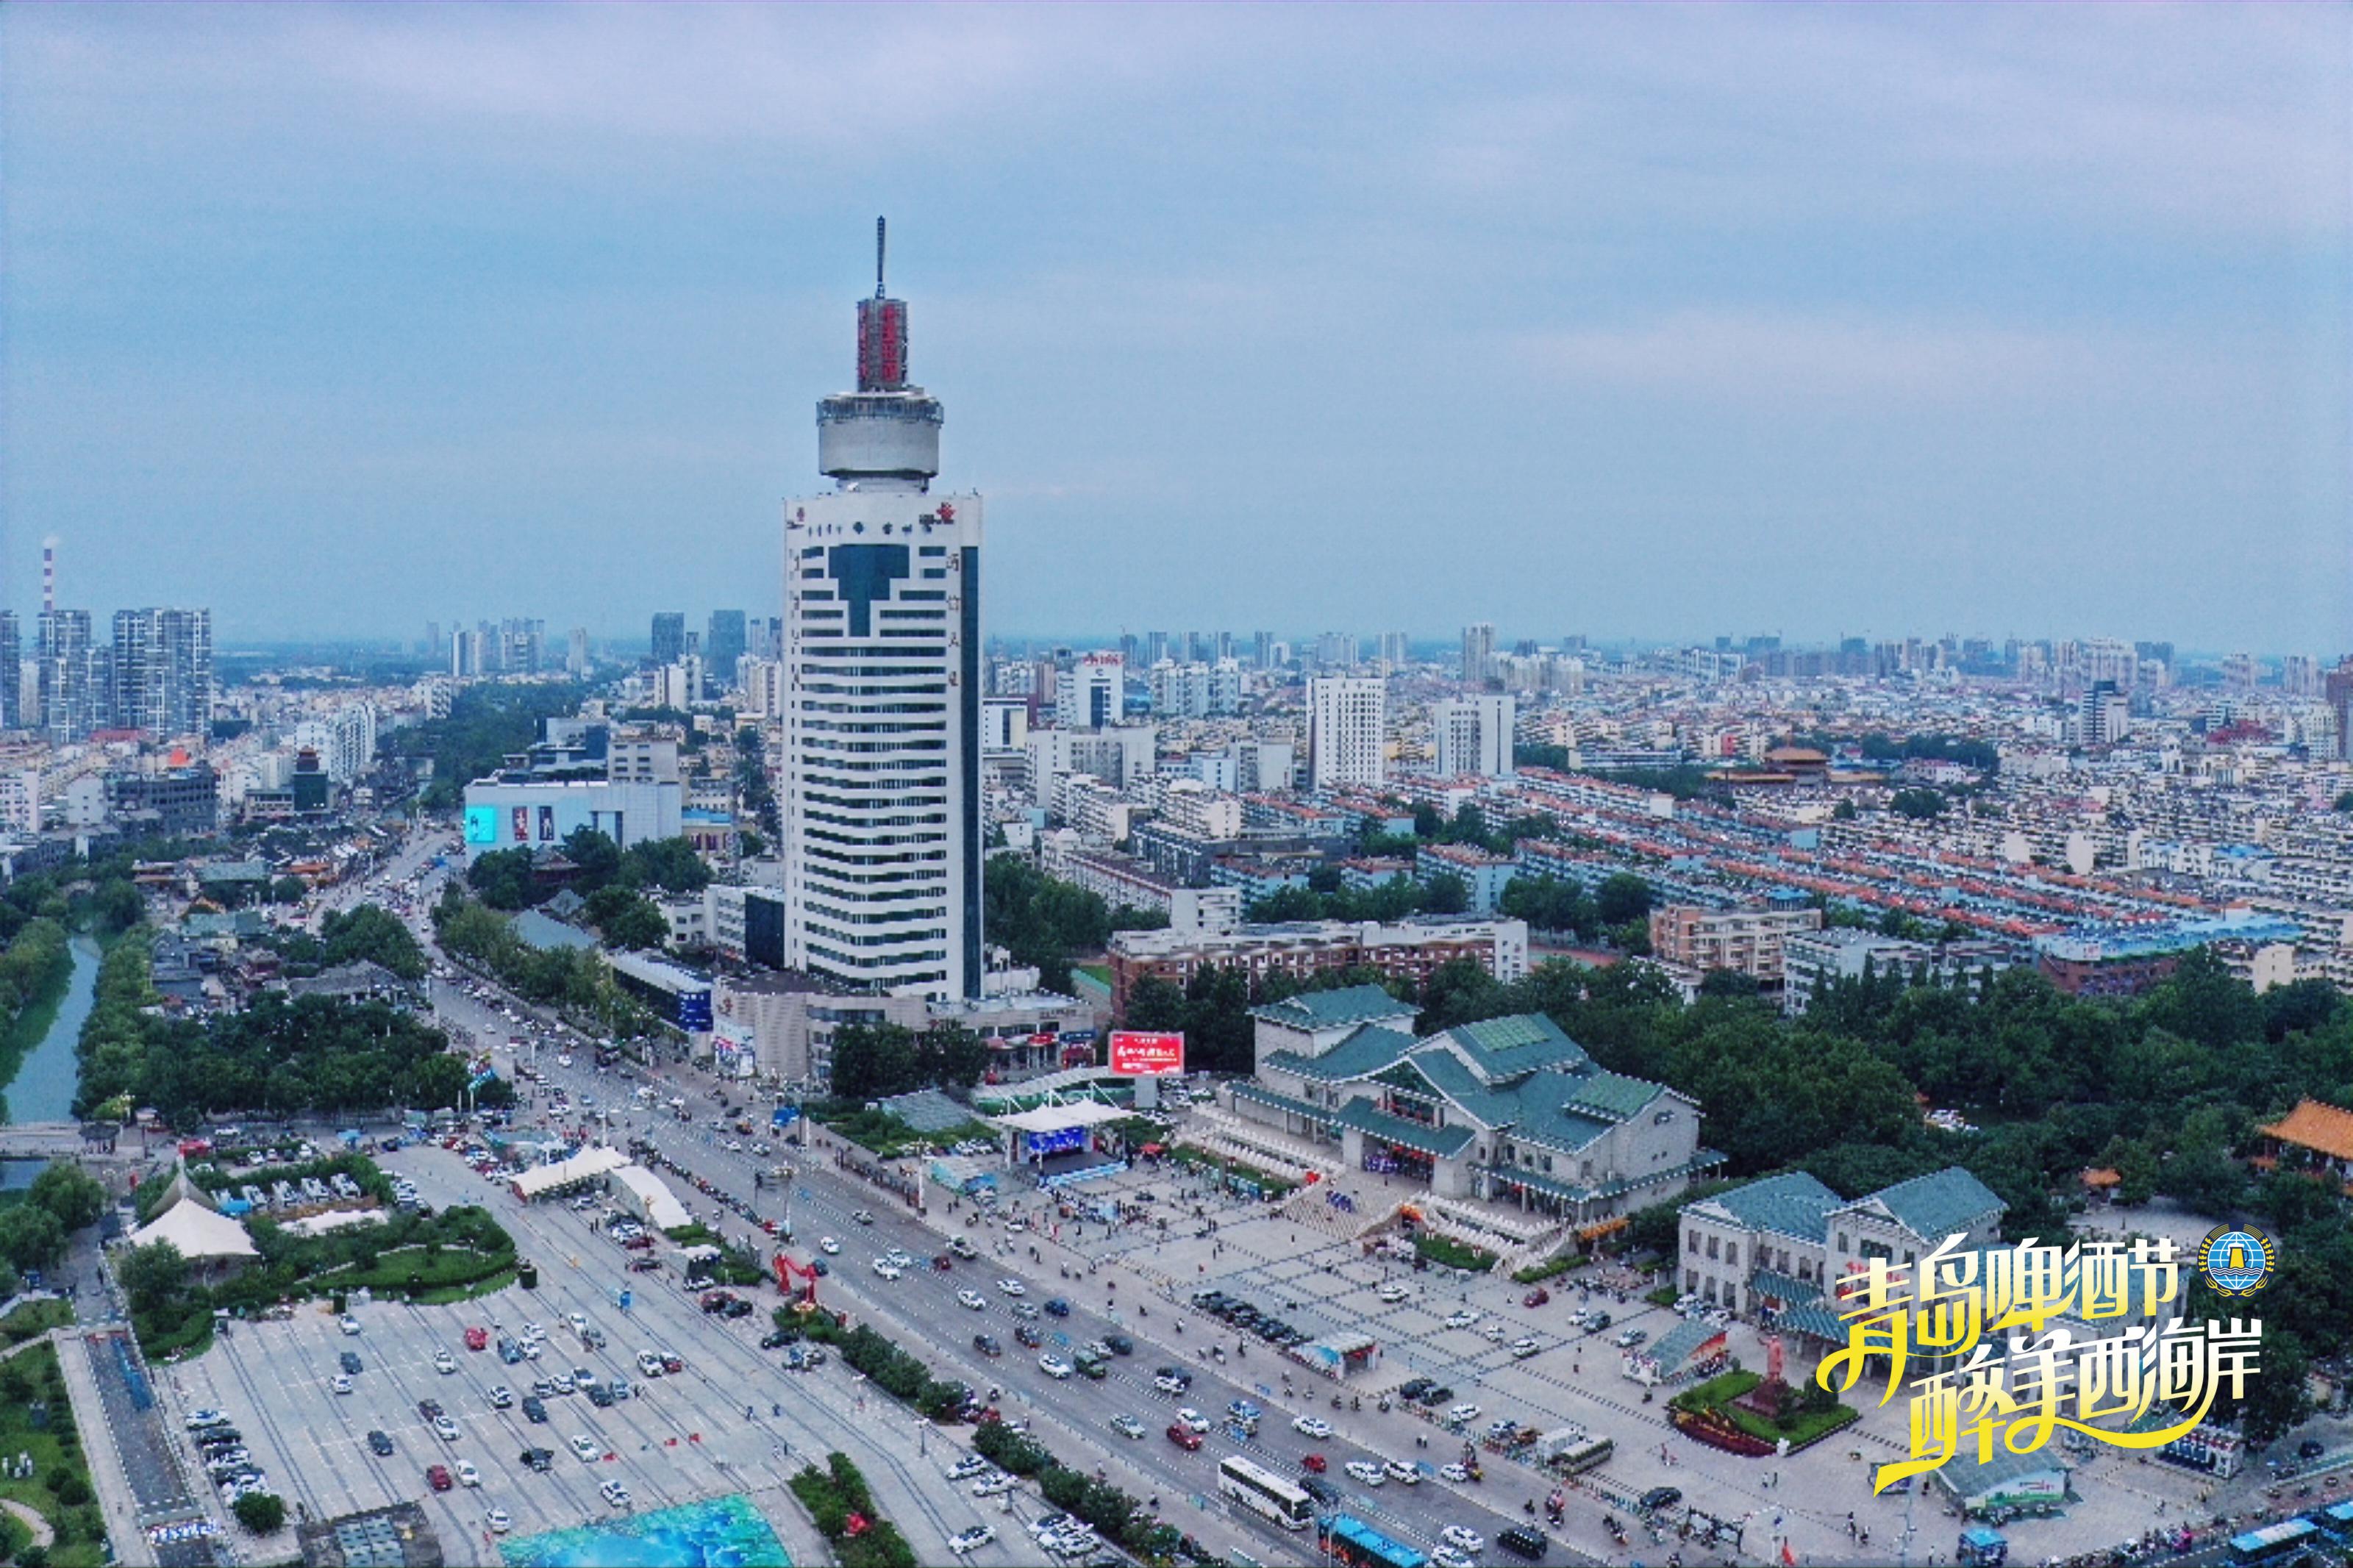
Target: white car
[[900, 1256], [1401, 1471], [1313, 1426], [1462, 1538], [530, 1349], [1054, 1366], [205, 1418], [340, 1383], [1454, 1472], [502, 1397], [828, 1246], [1494, 1333], [613, 1492], [1463, 1413], [590, 1451], [445, 1364], [970, 1465], [992, 1484], [1013, 1287], [1192, 1420], [648, 1364], [1393, 1294], [1127, 1425], [1366, 1472], [445, 1428], [350, 1324], [1525, 1347], [1462, 1320], [970, 1299], [972, 1540], [1632, 1338], [563, 1061], [499, 1521], [579, 1321], [531, 1333], [1448, 1557], [467, 1475]]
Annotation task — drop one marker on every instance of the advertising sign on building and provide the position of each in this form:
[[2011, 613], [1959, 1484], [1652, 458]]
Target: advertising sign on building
[[1137, 1054]]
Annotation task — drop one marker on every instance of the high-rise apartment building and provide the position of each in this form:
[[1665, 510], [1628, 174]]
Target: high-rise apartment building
[[1346, 718], [1393, 649], [162, 671], [12, 660], [880, 782], [1092, 694], [65, 672], [1478, 653], [723, 645], [2338, 691], [668, 638], [1473, 736], [575, 660]]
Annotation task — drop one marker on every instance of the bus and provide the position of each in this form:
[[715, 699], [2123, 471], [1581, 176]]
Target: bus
[[2291, 1541], [1265, 1493], [1359, 1545]]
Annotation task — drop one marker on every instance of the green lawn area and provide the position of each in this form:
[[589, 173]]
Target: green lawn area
[[1269, 1182], [35, 1419], [1101, 971], [35, 1318], [1800, 1428], [1446, 1250]]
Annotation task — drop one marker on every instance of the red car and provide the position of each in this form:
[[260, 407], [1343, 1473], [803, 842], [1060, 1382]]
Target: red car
[[1185, 1438], [478, 1338], [638, 1243], [1535, 1297], [438, 1477], [1313, 1463]]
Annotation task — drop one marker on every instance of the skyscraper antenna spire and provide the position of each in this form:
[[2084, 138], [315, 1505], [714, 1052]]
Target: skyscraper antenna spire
[[878, 259]]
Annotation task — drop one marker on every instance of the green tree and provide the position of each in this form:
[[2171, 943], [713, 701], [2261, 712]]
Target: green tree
[[30, 1237], [639, 924], [376, 936], [502, 878], [871, 1060], [263, 1513], [1621, 896], [1155, 1004], [1446, 893], [75, 1197], [116, 906], [1921, 805]]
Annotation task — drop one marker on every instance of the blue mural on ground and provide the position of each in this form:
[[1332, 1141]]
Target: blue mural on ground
[[727, 1533]]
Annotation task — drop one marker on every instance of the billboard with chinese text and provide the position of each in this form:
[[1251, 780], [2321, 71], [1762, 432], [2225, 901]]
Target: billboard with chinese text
[[1136, 1053]]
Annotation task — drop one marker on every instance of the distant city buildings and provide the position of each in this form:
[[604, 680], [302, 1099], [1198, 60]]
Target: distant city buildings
[[1346, 730]]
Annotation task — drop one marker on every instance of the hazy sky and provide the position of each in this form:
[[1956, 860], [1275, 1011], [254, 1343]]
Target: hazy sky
[[1653, 322]]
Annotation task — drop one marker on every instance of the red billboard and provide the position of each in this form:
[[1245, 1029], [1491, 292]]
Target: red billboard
[[1135, 1054]]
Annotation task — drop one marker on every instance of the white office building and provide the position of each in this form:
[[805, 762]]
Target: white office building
[[1091, 693], [1473, 737], [1346, 719], [880, 783]]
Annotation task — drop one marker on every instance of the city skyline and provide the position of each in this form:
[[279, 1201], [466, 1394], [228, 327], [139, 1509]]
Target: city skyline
[[2041, 331]]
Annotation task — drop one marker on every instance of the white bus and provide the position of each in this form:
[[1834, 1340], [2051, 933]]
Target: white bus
[[1265, 1493]]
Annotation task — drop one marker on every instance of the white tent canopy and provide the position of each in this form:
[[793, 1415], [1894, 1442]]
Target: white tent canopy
[[661, 1206], [585, 1165], [197, 1232], [1054, 1118]]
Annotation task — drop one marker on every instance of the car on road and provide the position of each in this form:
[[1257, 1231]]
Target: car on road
[[1462, 1538], [971, 1301], [599, 1396], [992, 1484], [1365, 1472], [1183, 1437], [561, 1382], [349, 1363], [206, 1418], [502, 1397], [1445, 1556], [1192, 1420], [340, 1383], [1313, 1426], [1463, 1413], [1012, 1287], [648, 1364], [444, 1362], [380, 1442], [1057, 1308], [468, 1476], [1319, 1489], [498, 1521], [350, 1324], [540, 1460], [986, 1344], [1170, 1380], [1054, 1366], [478, 1338], [535, 1410], [1524, 1542], [828, 1246], [1463, 1319], [970, 1465], [886, 1269], [1596, 1321], [972, 1540], [428, 1409], [1028, 1335], [1392, 1294], [1535, 1297], [1127, 1425], [588, 1448], [1525, 1347], [1659, 1497], [1401, 1471], [613, 1492], [438, 1477], [862, 1217], [1025, 1310], [1456, 1473]]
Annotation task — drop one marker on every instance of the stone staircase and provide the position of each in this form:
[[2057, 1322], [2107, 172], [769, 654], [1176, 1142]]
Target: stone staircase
[[1312, 1209]]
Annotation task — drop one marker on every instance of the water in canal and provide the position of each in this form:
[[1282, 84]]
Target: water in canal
[[43, 1089]]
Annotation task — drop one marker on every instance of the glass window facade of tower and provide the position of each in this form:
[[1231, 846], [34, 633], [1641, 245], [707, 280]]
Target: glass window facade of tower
[[880, 786]]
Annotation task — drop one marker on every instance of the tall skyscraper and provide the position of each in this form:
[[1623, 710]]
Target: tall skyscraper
[[1092, 694], [669, 638], [1346, 718], [162, 671], [881, 781], [65, 670], [722, 646], [576, 662], [12, 658], [1478, 653]]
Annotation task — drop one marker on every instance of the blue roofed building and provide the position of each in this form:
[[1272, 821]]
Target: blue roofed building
[[1506, 1111]]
